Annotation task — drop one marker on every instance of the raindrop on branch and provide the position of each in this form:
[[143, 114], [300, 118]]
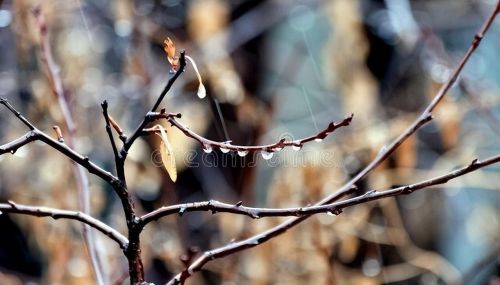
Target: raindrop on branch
[[207, 148], [202, 92], [267, 155], [242, 153]]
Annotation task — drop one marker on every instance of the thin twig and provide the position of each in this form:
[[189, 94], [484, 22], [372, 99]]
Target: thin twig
[[171, 118], [334, 208], [36, 134], [424, 117], [15, 208], [104, 106], [128, 143]]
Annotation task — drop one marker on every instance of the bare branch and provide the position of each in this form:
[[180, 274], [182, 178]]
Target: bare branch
[[221, 207], [14, 208], [206, 143], [14, 145], [104, 106], [128, 143], [334, 208], [36, 134], [424, 117], [302, 212], [4, 102]]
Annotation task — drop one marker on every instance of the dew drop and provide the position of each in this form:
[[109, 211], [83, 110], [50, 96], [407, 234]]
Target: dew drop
[[267, 155], [12, 151], [330, 213], [182, 211], [242, 153], [318, 139], [1, 212], [277, 148], [202, 92], [224, 150], [207, 148], [297, 147]]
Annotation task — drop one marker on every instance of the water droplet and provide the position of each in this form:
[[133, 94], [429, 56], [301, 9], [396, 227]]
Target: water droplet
[[267, 155], [202, 92], [182, 211], [330, 213], [297, 147], [277, 148], [207, 148], [318, 139], [242, 153], [12, 151], [224, 150], [1, 212]]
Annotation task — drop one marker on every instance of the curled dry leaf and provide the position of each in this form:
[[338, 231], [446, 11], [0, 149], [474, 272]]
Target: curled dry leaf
[[169, 48], [167, 154]]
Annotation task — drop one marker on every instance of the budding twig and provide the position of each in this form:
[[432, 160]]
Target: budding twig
[[424, 117], [226, 146]]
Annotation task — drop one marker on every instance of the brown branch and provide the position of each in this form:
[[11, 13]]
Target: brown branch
[[14, 145], [4, 102], [107, 119], [335, 208], [424, 117], [14, 208], [238, 208], [171, 118], [128, 143], [36, 134]]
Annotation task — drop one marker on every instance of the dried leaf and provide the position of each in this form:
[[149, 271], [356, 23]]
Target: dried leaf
[[169, 48], [167, 154]]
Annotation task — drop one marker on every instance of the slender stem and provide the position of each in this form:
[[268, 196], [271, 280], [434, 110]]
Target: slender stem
[[15, 208], [4, 102], [128, 143], [104, 106], [304, 212], [171, 118], [424, 117], [256, 213]]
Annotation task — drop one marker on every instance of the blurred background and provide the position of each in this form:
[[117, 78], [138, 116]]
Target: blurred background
[[273, 69]]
